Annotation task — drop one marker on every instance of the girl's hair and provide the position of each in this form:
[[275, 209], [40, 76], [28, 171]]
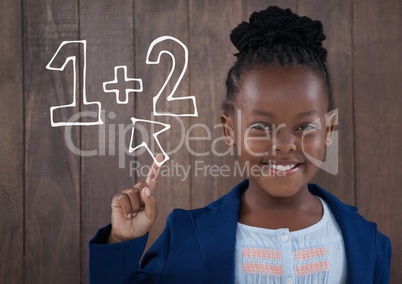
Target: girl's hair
[[277, 37]]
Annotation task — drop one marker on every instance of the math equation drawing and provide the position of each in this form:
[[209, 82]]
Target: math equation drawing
[[112, 87]]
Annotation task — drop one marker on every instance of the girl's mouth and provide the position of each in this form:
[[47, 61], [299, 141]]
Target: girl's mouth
[[281, 170]]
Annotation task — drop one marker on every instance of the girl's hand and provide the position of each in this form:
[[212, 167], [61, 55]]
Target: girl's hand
[[134, 209]]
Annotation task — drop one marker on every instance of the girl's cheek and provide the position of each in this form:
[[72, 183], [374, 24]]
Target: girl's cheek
[[257, 146], [313, 145], [253, 143]]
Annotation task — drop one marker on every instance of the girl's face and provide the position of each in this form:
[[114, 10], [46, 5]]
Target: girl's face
[[279, 121]]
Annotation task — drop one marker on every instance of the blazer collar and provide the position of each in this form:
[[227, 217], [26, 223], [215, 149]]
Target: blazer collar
[[216, 227], [359, 237]]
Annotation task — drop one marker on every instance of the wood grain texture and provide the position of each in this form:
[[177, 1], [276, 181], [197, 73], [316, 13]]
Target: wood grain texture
[[336, 18], [52, 172], [211, 58], [152, 20], [377, 61], [251, 6], [108, 28], [52, 201], [11, 144]]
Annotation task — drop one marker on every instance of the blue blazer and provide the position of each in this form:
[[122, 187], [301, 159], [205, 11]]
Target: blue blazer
[[198, 246]]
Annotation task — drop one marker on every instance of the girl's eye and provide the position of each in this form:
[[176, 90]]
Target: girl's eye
[[261, 127], [307, 127]]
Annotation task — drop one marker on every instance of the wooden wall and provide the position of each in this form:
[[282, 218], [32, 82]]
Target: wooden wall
[[52, 201]]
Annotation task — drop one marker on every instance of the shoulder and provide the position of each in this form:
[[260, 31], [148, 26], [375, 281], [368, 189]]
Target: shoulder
[[230, 199], [225, 207], [349, 218], [359, 235], [336, 206], [346, 215], [183, 217]]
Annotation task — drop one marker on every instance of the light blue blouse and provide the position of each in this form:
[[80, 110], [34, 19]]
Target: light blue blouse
[[312, 255]]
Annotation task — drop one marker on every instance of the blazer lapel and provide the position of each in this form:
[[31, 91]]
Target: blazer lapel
[[216, 232], [358, 236]]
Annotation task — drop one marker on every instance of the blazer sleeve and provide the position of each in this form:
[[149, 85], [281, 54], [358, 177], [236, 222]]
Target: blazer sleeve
[[383, 259], [119, 263], [113, 263]]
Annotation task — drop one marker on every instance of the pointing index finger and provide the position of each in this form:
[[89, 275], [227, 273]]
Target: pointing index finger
[[153, 173]]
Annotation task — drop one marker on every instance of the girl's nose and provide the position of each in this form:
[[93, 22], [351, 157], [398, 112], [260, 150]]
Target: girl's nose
[[283, 141]]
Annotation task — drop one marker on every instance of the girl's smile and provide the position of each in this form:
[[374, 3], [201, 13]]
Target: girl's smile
[[280, 168]]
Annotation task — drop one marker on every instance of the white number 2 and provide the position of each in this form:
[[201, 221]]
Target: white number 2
[[170, 97]]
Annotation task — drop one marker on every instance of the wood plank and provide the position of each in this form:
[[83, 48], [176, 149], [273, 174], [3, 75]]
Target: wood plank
[[213, 164], [251, 6], [12, 144], [377, 61], [336, 17], [52, 201], [108, 28], [152, 20]]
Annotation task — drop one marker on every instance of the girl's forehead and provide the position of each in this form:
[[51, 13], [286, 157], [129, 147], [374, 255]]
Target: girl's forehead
[[281, 78], [282, 89]]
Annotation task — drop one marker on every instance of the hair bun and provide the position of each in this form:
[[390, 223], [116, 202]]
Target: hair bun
[[277, 26]]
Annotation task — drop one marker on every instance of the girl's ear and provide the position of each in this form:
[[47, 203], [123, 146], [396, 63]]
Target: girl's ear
[[227, 129], [331, 120]]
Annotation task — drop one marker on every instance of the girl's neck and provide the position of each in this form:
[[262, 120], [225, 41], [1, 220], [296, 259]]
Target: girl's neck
[[296, 212], [261, 200]]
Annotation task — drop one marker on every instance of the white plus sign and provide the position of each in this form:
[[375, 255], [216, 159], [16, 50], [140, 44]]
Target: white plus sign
[[115, 83]]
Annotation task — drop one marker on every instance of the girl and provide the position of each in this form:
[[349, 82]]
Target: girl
[[274, 227]]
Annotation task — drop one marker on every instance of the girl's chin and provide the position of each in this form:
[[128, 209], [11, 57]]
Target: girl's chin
[[281, 194], [280, 189]]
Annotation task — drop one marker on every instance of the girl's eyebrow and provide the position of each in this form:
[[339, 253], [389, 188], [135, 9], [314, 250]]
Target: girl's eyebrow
[[262, 112], [308, 113], [269, 114]]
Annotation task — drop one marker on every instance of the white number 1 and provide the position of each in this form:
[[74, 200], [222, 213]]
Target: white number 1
[[73, 58]]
